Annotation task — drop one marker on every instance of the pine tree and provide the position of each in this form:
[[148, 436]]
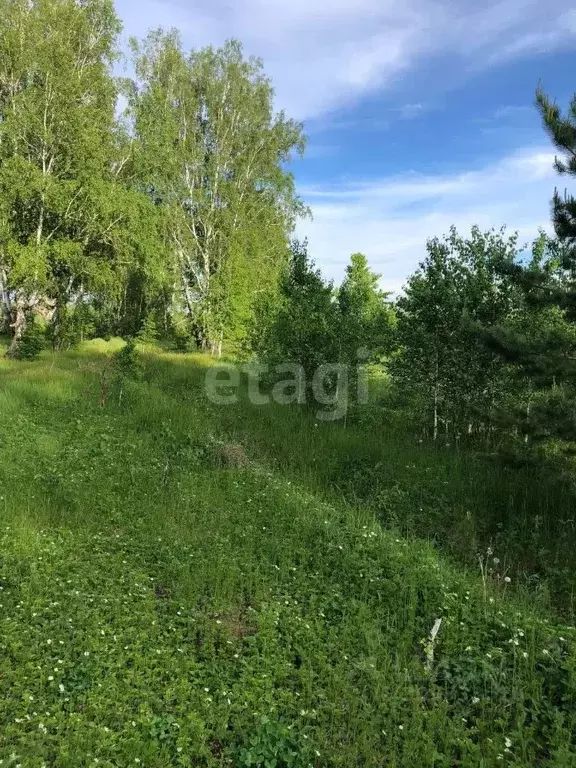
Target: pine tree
[[562, 130], [543, 347]]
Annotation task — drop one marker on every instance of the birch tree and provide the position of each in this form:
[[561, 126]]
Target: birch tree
[[66, 222], [455, 381], [212, 151]]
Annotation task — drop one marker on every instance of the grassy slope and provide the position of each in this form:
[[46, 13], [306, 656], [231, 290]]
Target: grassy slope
[[161, 608]]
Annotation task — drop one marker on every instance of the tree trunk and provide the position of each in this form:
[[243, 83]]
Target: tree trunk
[[5, 309], [19, 326]]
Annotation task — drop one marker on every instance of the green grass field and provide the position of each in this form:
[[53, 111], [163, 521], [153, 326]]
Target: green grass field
[[183, 584]]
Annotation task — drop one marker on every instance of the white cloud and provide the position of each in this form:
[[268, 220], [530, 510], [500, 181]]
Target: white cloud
[[390, 219], [322, 54]]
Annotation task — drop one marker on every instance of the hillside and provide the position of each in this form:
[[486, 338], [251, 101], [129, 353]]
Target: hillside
[[172, 594]]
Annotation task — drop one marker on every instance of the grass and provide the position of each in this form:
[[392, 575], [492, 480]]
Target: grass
[[191, 585]]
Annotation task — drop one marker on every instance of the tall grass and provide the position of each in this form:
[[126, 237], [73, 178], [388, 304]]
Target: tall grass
[[185, 584]]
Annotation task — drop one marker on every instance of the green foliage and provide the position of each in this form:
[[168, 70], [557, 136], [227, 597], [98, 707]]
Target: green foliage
[[165, 608], [542, 347], [302, 328], [273, 745], [127, 361], [180, 333], [32, 341], [366, 317], [212, 152], [441, 363], [562, 131], [148, 334], [71, 325]]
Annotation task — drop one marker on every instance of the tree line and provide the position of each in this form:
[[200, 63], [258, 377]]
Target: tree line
[[162, 206], [162, 200], [480, 347]]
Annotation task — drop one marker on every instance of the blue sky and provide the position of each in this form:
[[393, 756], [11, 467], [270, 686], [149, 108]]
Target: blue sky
[[419, 113]]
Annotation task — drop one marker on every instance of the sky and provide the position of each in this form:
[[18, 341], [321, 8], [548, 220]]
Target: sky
[[419, 113]]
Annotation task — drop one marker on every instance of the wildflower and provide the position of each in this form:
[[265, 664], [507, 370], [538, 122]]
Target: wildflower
[[507, 579], [508, 742]]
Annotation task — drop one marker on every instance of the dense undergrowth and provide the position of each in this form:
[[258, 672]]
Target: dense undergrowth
[[185, 584]]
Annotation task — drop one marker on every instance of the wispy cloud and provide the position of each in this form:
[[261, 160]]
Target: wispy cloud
[[322, 55], [511, 111], [390, 219]]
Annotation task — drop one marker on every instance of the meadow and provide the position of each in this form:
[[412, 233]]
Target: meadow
[[183, 584]]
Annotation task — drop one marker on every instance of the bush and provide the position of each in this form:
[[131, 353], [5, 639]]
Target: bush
[[148, 334], [128, 363], [32, 341]]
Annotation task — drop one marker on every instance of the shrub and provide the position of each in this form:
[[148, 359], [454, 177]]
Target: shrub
[[128, 363], [32, 341], [148, 334]]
